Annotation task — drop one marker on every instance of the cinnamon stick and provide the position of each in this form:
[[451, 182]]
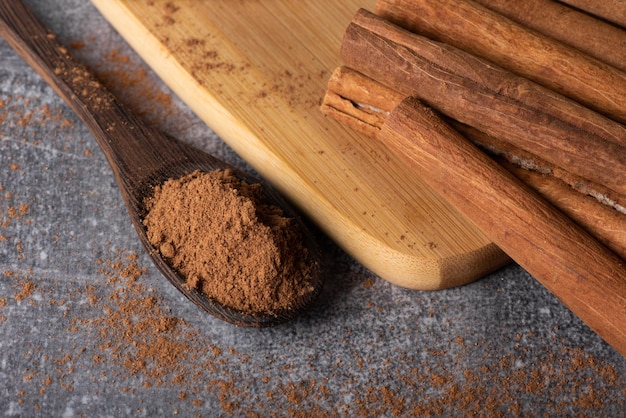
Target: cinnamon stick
[[582, 273], [606, 225], [364, 104], [570, 26], [490, 99], [482, 32], [358, 101], [611, 10], [535, 163]]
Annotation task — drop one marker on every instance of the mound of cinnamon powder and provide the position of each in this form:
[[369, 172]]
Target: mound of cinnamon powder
[[217, 232]]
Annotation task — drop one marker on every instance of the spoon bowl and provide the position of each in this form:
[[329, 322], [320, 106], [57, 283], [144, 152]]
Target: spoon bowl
[[211, 306], [140, 156]]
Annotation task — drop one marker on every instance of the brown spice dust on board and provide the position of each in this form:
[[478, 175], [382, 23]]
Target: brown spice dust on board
[[218, 233]]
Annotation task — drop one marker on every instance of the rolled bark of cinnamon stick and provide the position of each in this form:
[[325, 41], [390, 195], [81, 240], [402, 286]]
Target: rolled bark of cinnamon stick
[[583, 274], [482, 32], [359, 101], [364, 105], [570, 26], [490, 99], [535, 163], [611, 10], [606, 225]]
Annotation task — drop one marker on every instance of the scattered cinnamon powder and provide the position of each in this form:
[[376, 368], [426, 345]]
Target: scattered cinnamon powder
[[126, 333], [12, 213], [150, 343], [216, 231], [27, 289]]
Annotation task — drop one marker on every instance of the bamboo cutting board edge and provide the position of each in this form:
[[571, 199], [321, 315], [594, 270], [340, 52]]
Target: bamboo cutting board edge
[[428, 267]]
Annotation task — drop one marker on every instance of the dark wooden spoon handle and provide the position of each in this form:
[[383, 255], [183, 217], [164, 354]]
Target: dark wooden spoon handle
[[134, 149]]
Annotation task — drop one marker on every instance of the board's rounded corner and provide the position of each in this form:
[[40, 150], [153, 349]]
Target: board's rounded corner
[[430, 272]]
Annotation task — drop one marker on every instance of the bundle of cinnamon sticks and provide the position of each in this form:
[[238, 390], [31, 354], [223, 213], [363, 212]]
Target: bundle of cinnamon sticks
[[516, 119]]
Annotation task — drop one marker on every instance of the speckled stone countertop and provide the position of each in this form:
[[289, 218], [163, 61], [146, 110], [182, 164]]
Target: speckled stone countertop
[[88, 327]]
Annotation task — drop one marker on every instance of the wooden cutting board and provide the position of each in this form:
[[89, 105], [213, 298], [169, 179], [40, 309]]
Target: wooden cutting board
[[255, 72]]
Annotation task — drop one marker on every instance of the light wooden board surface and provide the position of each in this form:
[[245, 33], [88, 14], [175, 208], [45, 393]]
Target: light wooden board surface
[[255, 72]]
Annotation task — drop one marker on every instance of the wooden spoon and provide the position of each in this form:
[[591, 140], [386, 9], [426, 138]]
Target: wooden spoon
[[141, 157]]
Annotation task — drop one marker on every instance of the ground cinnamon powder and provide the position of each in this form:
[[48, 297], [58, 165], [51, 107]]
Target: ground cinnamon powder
[[216, 231]]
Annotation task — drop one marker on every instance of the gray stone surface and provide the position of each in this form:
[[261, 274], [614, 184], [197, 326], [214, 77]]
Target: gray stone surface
[[500, 345]]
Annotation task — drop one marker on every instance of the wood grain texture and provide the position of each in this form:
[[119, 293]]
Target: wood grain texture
[[256, 73]]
